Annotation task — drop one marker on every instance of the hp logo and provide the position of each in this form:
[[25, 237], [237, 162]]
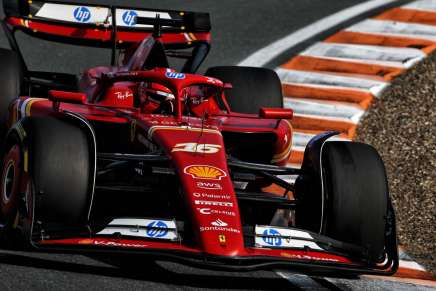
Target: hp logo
[[174, 75], [273, 238], [82, 14], [129, 18], [157, 229]]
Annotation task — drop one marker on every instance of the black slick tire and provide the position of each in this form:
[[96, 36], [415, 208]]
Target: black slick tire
[[253, 88], [356, 196], [11, 80], [59, 165]]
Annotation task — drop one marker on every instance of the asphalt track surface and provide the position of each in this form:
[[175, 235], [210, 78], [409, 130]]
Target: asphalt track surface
[[239, 28]]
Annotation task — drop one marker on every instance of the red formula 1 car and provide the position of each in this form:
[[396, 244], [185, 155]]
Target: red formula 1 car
[[139, 159]]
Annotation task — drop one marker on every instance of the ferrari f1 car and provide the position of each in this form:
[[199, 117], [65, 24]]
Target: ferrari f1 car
[[140, 159]]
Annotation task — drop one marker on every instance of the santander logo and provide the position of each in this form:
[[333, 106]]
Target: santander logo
[[219, 222]]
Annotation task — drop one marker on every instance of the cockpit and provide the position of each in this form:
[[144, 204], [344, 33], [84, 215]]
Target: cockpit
[[148, 95]]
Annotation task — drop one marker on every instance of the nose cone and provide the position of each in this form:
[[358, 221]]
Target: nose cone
[[200, 161]]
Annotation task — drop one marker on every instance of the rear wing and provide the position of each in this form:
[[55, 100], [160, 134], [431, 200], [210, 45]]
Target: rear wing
[[113, 27], [104, 26]]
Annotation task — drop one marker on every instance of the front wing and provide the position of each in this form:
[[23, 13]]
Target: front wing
[[305, 259]]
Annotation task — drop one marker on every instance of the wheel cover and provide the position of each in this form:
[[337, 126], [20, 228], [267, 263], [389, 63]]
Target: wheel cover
[[8, 181]]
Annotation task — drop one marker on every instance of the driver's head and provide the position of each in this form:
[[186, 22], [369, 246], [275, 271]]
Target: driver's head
[[156, 98]]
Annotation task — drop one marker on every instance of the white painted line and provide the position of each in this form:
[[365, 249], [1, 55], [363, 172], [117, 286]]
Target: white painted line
[[338, 111], [266, 54], [293, 165], [330, 80], [289, 178], [395, 28], [386, 56], [300, 140], [424, 5], [412, 265]]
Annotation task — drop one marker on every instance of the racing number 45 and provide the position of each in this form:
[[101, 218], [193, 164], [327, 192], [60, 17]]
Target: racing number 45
[[193, 147]]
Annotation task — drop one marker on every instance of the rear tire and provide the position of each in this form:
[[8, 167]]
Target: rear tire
[[10, 82], [253, 88], [357, 196]]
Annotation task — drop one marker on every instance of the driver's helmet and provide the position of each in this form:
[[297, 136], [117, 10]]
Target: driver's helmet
[[156, 98]]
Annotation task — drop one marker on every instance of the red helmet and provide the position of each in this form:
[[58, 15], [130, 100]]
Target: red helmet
[[156, 98]]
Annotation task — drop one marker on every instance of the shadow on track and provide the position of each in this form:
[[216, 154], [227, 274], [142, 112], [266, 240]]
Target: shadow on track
[[155, 273]]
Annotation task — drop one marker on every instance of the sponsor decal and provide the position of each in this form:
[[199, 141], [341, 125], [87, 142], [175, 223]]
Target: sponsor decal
[[124, 95], [205, 172], [86, 241], [219, 222], [106, 243], [222, 238], [272, 237], [212, 81], [209, 211], [157, 229], [82, 14], [213, 203], [174, 75], [306, 257], [284, 238], [118, 244], [211, 196], [209, 186], [174, 123], [219, 228], [129, 17], [200, 129], [193, 147]]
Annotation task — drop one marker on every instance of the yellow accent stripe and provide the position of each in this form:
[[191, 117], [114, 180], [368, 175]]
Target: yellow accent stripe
[[192, 36], [30, 103], [181, 128], [26, 161]]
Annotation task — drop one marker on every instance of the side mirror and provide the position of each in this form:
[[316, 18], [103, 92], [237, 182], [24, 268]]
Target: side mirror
[[67, 97], [276, 113]]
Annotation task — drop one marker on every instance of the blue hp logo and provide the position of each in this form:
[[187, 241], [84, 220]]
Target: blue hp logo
[[157, 229], [174, 75], [129, 18], [273, 238], [82, 14]]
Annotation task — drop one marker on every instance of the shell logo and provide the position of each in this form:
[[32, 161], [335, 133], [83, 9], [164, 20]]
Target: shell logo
[[205, 172]]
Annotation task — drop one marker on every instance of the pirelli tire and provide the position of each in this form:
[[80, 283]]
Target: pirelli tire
[[10, 82], [253, 88], [55, 173], [356, 199]]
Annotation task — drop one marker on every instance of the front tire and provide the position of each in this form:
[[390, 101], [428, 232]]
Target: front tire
[[52, 177], [60, 168], [357, 196], [354, 208]]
